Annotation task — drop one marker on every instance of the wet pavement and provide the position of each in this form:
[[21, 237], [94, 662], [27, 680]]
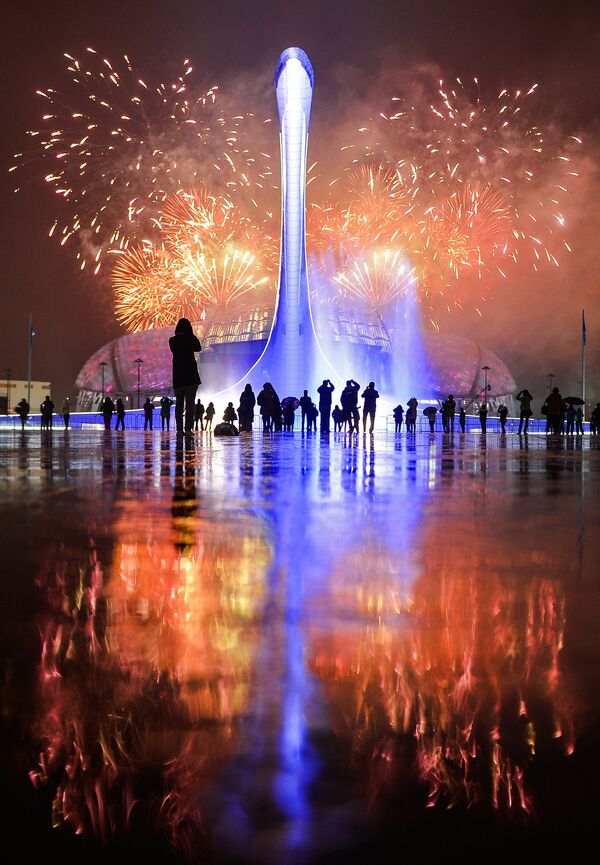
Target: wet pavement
[[289, 649]]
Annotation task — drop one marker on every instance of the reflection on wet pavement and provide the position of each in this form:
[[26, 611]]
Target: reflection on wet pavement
[[285, 649]]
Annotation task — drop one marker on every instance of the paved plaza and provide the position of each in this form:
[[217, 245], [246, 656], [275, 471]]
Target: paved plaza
[[293, 648]]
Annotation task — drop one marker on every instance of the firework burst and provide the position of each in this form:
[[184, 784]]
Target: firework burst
[[210, 253], [468, 191], [148, 291], [378, 278], [114, 146]]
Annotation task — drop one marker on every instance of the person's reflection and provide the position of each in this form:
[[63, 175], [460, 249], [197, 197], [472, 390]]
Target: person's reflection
[[574, 463], [246, 466], [185, 503], [121, 460], [523, 454], [107, 453], [461, 462], [411, 463], [165, 456], [349, 464], [324, 466], [555, 445], [148, 455], [369, 464], [483, 455], [46, 451], [22, 454]]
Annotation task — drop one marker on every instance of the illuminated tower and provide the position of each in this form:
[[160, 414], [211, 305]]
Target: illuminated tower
[[289, 357]]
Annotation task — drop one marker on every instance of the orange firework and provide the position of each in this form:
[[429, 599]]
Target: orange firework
[[378, 278], [470, 227], [114, 146], [148, 291], [210, 254]]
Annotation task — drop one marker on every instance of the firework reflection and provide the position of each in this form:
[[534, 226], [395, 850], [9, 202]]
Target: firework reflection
[[453, 688], [146, 665]]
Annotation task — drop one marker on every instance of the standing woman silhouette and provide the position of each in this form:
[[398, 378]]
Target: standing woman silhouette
[[186, 379]]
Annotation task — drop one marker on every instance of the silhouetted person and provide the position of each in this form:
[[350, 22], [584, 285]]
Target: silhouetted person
[[276, 411], [398, 417], [288, 416], [66, 412], [229, 415], [349, 400], [338, 418], [398, 413], [325, 390], [444, 414], [313, 414], [120, 407], [462, 419], [411, 415], [570, 419], [184, 344], [431, 413], [450, 412], [554, 411], [370, 397], [524, 398], [579, 420], [305, 404], [107, 408], [246, 409], [483, 413], [165, 412], [22, 410], [198, 415], [502, 414], [595, 420], [148, 409], [209, 415], [265, 401], [46, 409]]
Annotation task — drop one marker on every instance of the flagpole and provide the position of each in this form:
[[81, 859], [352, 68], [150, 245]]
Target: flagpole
[[583, 344], [29, 360]]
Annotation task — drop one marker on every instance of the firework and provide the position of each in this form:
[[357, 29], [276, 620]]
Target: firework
[[378, 278], [459, 191], [466, 190], [210, 253], [114, 147], [468, 228], [148, 290]]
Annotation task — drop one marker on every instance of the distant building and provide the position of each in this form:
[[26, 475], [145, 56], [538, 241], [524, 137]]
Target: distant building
[[232, 342], [12, 391]]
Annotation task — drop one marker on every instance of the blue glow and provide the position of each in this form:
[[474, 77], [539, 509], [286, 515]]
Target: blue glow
[[290, 357], [296, 54]]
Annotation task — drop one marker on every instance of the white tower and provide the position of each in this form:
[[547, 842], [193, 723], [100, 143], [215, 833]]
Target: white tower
[[289, 355]]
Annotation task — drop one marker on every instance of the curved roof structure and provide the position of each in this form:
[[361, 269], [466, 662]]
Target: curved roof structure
[[232, 343]]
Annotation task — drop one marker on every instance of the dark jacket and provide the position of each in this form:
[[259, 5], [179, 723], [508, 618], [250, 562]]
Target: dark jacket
[[555, 405], [185, 368], [370, 396], [325, 391]]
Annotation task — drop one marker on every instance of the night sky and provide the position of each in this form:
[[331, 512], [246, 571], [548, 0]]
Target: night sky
[[505, 43]]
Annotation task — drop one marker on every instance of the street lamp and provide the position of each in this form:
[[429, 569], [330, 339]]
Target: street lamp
[[485, 369], [550, 377], [8, 372], [139, 362], [103, 364]]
